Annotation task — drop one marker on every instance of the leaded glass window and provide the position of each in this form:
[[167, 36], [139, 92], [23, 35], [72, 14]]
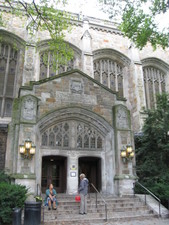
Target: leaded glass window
[[44, 139], [79, 142], [8, 65], [51, 139], [65, 140], [154, 83], [46, 66], [99, 142], [8, 107], [110, 74], [88, 137], [86, 141], [58, 136], [59, 140], [93, 141]]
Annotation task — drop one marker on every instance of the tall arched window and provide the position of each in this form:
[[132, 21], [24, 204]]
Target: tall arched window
[[110, 74], [46, 66], [8, 65], [154, 83]]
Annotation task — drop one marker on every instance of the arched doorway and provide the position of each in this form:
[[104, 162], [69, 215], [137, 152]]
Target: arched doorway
[[91, 167], [54, 171]]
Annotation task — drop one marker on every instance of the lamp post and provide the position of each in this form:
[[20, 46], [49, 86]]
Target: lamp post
[[127, 153], [27, 150]]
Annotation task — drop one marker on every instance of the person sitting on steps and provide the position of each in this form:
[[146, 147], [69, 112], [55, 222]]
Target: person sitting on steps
[[51, 197]]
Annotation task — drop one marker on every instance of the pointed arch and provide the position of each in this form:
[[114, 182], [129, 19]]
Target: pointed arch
[[11, 47], [155, 77], [74, 128], [45, 60], [109, 68]]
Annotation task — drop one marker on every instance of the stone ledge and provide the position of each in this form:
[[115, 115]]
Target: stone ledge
[[23, 176], [125, 177]]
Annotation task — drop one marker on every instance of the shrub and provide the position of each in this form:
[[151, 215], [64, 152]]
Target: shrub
[[11, 196], [4, 177]]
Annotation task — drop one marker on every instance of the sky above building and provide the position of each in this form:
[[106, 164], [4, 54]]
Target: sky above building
[[86, 7]]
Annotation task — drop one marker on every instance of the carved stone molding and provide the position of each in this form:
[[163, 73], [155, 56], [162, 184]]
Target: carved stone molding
[[158, 63], [112, 54]]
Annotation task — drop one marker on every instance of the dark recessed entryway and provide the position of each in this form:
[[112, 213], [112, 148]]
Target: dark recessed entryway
[[91, 167], [54, 171]]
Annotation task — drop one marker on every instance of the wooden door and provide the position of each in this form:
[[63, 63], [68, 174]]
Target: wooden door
[[54, 172], [91, 167]]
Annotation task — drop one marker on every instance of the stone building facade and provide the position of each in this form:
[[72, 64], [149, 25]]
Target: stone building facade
[[83, 115]]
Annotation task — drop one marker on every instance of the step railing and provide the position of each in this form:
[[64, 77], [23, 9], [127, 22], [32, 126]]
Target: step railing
[[145, 197], [43, 207], [97, 192]]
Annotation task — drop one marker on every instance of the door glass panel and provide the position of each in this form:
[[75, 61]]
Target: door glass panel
[[44, 175], [56, 175]]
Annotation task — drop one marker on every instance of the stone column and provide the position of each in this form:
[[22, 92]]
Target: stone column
[[87, 56], [124, 177], [72, 173], [136, 81], [24, 123], [28, 72]]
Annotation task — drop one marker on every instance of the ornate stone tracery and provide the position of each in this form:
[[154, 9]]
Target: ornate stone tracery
[[61, 135]]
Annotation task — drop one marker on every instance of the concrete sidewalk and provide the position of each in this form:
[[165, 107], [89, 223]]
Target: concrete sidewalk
[[139, 222]]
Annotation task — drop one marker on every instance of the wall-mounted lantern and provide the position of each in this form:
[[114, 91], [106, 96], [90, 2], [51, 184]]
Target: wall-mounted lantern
[[27, 150], [127, 153]]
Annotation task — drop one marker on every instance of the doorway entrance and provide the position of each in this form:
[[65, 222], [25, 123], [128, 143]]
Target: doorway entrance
[[54, 171], [91, 167]]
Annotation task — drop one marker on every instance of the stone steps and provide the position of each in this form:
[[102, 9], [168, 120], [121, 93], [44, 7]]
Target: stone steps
[[118, 209], [92, 207], [94, 220], [76, 211]]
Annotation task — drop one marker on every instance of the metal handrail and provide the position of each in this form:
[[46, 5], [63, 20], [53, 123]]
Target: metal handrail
[[102, 200], [153, 195]]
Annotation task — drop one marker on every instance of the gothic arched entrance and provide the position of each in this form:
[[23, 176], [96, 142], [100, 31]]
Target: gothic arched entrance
[[79, 141], [54, 171], [91, 167]]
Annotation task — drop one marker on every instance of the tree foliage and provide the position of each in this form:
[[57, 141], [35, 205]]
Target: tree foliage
[[43, 15], [140, 20], [152, 149]]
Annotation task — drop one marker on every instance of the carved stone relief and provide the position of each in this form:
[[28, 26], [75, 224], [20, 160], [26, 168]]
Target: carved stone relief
[[28, 109], [29, 59], [122, 119], [76, 86]]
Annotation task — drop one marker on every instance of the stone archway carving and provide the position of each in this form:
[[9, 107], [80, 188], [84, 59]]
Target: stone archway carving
[[75, 113], [73, 128]]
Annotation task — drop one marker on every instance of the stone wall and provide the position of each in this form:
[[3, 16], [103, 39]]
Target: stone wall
[[89, 35], [39, 104]]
